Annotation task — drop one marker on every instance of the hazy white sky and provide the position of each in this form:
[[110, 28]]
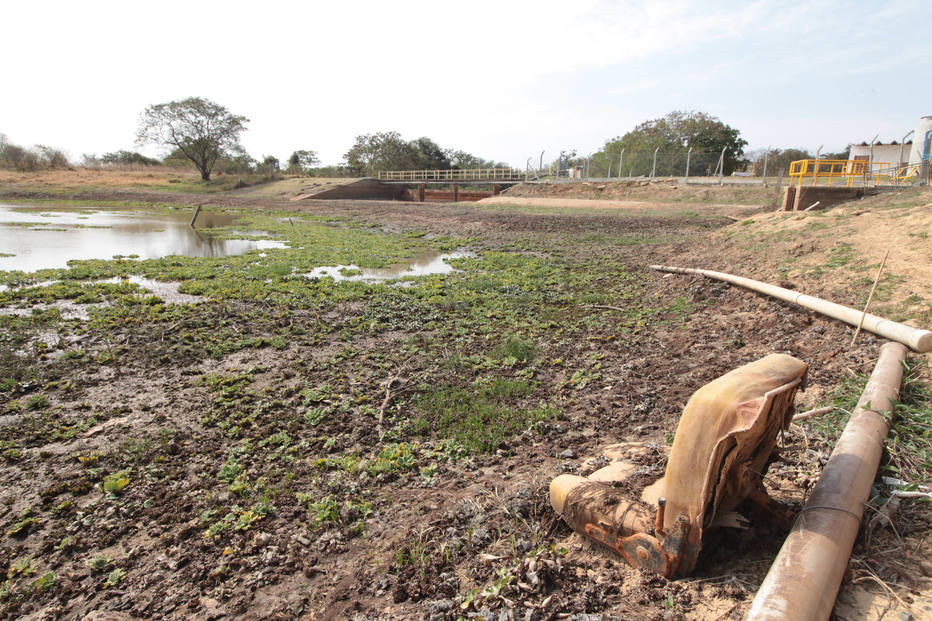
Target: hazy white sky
[[500, 79]]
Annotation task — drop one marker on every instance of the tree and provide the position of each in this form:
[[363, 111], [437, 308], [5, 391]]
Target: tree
[[777, 160], [200, 129], [380, 151], [674, 134], [270, 166], [129, 158], [388, 151], [428, 155], [301, 160]]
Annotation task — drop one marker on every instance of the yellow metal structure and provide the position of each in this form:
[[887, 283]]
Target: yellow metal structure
[[463, 174], [851, 172]]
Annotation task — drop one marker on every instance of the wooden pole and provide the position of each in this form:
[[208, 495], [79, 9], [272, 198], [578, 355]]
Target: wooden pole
[[196, 211]]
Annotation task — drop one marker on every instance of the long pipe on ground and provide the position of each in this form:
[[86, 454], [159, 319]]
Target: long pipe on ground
[[804, 579], [916, 339]]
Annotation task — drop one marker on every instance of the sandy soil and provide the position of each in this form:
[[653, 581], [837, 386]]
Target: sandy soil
[[732, 210]]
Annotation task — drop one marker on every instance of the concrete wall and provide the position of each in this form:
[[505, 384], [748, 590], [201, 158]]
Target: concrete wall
[[363, 189], [799, 199], [889, 153], [373, 189], [445, 196]]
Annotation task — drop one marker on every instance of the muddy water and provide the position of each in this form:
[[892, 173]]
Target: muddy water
[[50, 236], [423, 264]]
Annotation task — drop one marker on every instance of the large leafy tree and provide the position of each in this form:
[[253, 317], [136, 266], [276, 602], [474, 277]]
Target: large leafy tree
[[301, 160], [673, 135], [779, 159], [372, 153], [380, 151], [201, 130]]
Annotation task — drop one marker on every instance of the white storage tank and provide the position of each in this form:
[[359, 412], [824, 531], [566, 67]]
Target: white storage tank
[[922, 141]]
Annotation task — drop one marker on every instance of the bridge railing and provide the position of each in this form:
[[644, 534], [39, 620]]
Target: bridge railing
[[456, 174]]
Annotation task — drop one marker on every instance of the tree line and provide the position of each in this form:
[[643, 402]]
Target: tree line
[[200, 133]]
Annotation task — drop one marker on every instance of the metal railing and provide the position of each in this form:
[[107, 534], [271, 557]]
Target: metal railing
[[851, 172], [461, 174]]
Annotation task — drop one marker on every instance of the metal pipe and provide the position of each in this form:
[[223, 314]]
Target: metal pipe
[[688, 155], [654, 167], [916, 339], [804, 579], [621, 159], [902, 143], [540, 166]]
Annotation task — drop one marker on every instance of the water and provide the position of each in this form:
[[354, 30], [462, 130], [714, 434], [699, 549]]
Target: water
[[425, 263], [50, 236]]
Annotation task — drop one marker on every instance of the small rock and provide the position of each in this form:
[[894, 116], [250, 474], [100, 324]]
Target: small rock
[[568, 454]]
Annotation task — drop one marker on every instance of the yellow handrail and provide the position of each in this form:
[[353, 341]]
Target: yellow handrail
[[851, 171]]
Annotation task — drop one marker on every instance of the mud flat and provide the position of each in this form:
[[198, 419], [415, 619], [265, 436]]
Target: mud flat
[[325, 448]]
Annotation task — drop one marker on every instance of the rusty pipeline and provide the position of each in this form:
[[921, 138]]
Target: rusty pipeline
[[804, 579]]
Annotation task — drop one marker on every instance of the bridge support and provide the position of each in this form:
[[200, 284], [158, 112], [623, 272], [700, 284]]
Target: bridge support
[[456, 192], [496, 189], [420, 192]]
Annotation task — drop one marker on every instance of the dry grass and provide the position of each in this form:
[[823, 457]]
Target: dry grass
[[87, 178]]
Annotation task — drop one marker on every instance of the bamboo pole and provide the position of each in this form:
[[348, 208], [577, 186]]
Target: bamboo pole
[[870, 297], [804, 579], [916, 339]]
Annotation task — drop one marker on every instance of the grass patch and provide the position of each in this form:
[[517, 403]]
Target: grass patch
[[909, 443], [479, 420]]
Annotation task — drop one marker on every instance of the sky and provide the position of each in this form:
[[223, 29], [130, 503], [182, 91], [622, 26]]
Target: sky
[[501, 79]]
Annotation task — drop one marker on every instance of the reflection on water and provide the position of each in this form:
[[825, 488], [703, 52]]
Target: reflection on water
[[423, 264], [50, 237]]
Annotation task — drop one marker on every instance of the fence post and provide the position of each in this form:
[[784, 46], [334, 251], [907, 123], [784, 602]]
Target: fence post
[[653, 168], [540, 166], [688, 155], [610, 164], [588, 159], [721, 168], [766, 156], [621, 159], [776, 197]]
